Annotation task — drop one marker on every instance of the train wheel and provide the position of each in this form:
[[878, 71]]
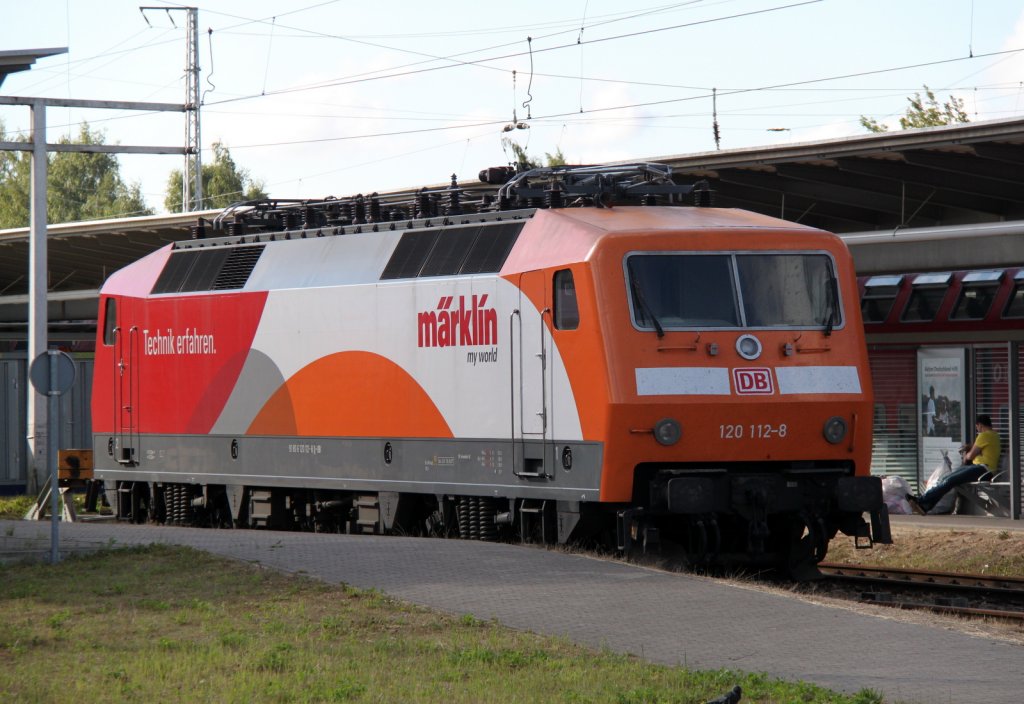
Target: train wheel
[[801, 543]]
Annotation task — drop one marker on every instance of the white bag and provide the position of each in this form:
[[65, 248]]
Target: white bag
[[894, 494], [947, 502]]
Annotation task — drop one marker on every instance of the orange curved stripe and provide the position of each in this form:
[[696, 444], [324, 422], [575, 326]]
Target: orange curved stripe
[[354, 394]]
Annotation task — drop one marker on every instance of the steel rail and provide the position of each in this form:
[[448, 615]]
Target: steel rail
[[926, 578], [1010, 589]]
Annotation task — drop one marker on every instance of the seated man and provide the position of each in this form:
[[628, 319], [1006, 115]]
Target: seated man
[[980, 460]]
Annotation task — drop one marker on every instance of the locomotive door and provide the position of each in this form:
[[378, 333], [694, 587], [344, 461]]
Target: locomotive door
[[531, 347], [127, 348]]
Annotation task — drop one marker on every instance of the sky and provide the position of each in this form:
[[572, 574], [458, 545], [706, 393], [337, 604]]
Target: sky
[[320, 98]]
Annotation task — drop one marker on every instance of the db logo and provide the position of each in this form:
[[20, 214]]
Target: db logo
[[753, 381]]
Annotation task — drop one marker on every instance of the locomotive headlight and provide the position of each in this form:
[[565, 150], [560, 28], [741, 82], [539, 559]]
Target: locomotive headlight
[[667, 431], [835, 430], [748, 346]]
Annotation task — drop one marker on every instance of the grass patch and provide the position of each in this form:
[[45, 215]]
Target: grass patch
[[172, 624], [15, 507]]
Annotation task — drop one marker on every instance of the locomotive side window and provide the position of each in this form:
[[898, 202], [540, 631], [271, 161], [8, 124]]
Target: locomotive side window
[[788, 290], [1015, 306], [567, 312], [977, 293], [926, 297], [879, 297], [109, 320]]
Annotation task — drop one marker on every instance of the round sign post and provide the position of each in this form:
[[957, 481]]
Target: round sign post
[[52, 374]]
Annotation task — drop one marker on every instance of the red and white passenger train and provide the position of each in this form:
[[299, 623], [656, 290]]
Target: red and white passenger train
[[550, 364]]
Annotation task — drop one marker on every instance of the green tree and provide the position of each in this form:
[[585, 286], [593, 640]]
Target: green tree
[[80, 185], [525, 161], [224, 183], [923, 112]]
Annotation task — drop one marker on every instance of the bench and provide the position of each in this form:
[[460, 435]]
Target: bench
[[986, 497]]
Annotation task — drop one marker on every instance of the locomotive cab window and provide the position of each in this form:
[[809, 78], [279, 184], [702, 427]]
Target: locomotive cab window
[[567, 312], [1015, 306], [763, 290], [879, 297], [926, 298], [978, 291], [109, 320]]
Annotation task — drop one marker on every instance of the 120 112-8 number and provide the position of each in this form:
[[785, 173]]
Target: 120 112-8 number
[[756, 431]]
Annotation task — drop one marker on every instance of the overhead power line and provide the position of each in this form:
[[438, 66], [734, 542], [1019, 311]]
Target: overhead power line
[[480, 62], [666, 101]]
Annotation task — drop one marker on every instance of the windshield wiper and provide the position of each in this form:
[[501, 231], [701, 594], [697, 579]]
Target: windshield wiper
[[638, 296], [833, 301]]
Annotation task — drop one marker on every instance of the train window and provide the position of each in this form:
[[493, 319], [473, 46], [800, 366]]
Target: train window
[[977, 292], [788, 290], [730, 290], [925, 299], [109, 320], [1015, 306], [677, 290], [567, 312], [879, 296]]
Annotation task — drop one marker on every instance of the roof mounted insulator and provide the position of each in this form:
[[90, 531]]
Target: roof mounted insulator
[[310, 217], [423, 203], [360, 214], [650, 199], [375, 215], [553, 195], [199, 230], [236, 228], [454, 208], [703, 195]]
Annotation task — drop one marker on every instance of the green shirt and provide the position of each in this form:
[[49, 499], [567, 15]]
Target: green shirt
[[988, 443]]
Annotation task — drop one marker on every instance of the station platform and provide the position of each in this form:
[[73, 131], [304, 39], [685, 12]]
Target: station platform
[[958, 521]]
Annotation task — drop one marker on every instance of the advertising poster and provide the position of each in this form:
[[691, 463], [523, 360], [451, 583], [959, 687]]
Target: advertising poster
[[941, 383]]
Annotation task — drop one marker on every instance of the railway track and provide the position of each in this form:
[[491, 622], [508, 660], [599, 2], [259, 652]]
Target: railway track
[[971, 595]]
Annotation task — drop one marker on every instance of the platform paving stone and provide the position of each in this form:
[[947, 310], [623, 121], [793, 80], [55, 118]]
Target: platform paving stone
[[665, 618]]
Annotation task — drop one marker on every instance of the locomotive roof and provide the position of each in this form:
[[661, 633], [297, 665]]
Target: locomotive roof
[[489, 243]]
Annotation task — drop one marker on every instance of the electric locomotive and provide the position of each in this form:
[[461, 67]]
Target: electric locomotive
[[576, 356]]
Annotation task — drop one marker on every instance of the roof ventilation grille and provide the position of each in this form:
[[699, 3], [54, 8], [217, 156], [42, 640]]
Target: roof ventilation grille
[[236, 270]]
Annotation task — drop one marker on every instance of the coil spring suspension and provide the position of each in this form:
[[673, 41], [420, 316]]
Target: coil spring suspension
[[178, 504], [476, 518]]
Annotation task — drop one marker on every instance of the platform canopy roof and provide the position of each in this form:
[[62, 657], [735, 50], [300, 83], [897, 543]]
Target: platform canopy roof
[[929, 177], [887, 194], [22, 60]]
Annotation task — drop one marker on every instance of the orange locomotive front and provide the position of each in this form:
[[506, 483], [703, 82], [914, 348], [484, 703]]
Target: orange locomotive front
[[718, 357]]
